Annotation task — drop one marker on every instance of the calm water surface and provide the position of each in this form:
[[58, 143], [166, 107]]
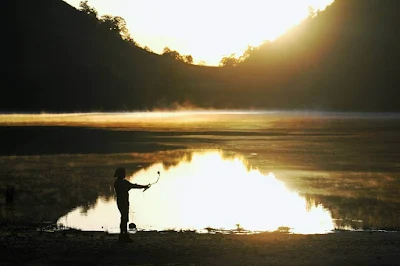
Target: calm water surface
[[302, 172], [208, 191]]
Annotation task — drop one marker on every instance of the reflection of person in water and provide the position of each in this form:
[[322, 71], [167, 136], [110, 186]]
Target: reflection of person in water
[[122, 187]]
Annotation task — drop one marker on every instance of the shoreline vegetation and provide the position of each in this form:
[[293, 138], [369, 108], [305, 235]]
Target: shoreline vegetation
[[27, 246]]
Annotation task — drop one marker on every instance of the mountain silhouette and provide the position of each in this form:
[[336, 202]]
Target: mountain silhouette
[[345, 58], [342, 59], [67, 61]]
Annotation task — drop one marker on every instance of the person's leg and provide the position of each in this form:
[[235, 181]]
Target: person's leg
[[124, 236], [124, 221], [124, 210]]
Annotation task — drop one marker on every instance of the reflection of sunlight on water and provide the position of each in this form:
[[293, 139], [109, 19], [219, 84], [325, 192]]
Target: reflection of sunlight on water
[[208, 191], [103, 216]]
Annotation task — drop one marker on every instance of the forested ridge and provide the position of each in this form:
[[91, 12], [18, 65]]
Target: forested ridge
[[67, 60]]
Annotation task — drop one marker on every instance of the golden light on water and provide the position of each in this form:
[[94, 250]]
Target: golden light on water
[[196, 120], [208, 190], [109, 118]]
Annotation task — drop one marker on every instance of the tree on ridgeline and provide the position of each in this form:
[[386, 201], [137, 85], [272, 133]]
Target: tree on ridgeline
[[116, 24], [188, 59], [229, 61], [88, 10], [146, 48], [233, 61], [175, 55], [172, 54], [311, 12], [249, 52]]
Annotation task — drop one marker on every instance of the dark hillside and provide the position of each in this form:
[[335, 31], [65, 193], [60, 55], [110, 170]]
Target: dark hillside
[[67, 61], [345, 58]]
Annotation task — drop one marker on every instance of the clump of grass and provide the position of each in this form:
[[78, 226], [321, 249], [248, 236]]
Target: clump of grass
[[283, 229]]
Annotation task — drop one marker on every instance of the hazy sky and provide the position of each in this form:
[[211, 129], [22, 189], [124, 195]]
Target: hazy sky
[[206, 29]]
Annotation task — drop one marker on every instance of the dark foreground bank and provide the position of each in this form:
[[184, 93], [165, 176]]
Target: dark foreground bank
[[30, 247]]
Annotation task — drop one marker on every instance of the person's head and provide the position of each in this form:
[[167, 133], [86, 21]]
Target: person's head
[[120, 173]]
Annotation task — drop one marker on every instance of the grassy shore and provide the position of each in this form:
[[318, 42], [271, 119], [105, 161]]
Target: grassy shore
[[21, 246]]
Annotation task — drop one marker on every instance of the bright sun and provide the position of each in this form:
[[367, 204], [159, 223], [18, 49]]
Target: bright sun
[[207, 29]]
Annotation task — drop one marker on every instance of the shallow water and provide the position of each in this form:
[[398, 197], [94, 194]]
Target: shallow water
[[208, 190], [304, 172]]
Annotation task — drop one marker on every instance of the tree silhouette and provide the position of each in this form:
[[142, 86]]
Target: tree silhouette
[[148, 49], [188, 59], [171, 54], [175, 55], [311, 12], [249, 52], [90, 11], [116, 24], [229, 61]]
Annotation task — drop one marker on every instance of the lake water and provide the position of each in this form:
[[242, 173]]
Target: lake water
[[301, 172]]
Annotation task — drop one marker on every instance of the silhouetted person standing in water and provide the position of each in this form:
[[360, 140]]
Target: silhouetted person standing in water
[[122, 187]]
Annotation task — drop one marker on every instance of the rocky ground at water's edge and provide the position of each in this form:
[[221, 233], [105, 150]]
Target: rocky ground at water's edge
[[22, 246]]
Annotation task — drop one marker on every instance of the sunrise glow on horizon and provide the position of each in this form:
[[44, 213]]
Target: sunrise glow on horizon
[[207, 30]]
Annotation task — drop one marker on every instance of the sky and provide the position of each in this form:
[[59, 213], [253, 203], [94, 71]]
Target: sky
[[207, 29]]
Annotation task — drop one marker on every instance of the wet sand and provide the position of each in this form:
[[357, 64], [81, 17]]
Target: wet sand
[[31, 247]]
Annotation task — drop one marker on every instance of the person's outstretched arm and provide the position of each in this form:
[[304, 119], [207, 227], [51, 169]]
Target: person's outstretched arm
[[131, 185]]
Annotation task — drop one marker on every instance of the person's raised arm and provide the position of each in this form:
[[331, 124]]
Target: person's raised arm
[[131, 185]]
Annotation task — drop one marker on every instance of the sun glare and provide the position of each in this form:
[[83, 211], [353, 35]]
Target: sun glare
[[208, 29], [209, 190]]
